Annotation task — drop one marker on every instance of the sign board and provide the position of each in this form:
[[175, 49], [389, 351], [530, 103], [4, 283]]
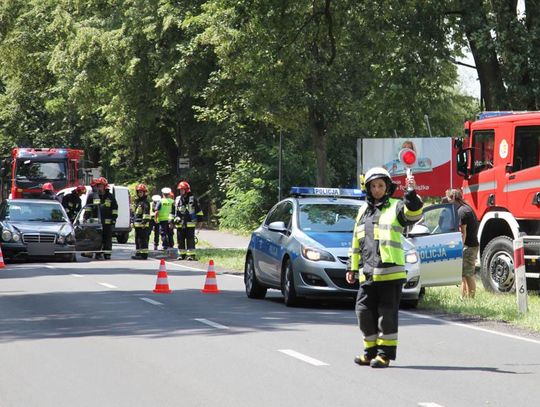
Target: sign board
[[434, 170], [183, 163]]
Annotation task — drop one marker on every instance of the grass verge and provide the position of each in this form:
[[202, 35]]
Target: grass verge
[[229, 259], [496, 307]]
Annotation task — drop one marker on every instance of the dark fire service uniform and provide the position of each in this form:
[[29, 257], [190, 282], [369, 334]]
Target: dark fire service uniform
[[376, 246], [186, 212], [108, 211], [72, 204], [141, 222]]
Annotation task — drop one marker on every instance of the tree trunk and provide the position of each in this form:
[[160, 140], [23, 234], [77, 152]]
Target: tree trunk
[[475, 23], [319, 137]]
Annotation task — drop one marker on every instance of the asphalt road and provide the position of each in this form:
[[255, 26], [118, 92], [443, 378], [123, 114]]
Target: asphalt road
[[94, 333]]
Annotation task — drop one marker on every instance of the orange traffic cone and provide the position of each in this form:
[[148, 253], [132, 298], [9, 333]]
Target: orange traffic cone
[[210, 285], [2, 264], [162, 283]]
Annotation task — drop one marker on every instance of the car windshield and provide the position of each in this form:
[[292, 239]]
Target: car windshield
[[33, 212], [41, 170], [325, 217]]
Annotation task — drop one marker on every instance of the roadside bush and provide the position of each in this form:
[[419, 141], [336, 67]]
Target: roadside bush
[[247, 194]]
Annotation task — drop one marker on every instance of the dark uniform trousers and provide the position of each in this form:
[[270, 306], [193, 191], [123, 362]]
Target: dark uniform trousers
[[377, 311], [154, 227], [186, 239], [142, 235]]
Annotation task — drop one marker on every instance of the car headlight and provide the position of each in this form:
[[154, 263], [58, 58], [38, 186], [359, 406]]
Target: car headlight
[[6, 235], [411, 257], [313, 254], [60, 239], [16, 237]]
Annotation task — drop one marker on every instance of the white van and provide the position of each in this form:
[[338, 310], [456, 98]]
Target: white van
[[123, 222]]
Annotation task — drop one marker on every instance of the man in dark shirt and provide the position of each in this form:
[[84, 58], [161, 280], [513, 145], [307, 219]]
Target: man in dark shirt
[[468, 223]]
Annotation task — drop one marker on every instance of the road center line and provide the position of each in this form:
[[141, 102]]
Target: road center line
[[212, 324], [302, 357], [472, 327], [429, 404], [108, 285], [150, 301], [77, 275]]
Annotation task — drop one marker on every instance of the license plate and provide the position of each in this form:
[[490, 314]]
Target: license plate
[[40, 249]]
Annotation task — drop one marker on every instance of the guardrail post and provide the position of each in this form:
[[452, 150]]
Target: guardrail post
[[519, 272]]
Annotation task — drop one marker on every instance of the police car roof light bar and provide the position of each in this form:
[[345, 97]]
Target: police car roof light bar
[[328, 192]]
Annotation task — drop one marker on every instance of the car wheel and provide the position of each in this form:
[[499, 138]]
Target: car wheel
[[254, 289], [497, 266], [122, 237], [287, 285]]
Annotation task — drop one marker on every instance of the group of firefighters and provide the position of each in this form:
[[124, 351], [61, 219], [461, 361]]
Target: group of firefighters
[[162, 215]]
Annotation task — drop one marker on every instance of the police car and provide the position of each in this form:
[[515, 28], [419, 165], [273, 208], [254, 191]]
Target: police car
[[301, 248]]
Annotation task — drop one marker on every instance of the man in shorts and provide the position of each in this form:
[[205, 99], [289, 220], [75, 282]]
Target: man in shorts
[[468, 223]]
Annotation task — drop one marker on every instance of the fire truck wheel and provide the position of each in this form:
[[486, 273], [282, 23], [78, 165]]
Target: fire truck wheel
[[497, 265]]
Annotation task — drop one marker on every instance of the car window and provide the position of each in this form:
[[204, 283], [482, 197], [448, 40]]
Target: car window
[[282, 212], [33, 212], [440, 219], [526, 147], [326, 217]]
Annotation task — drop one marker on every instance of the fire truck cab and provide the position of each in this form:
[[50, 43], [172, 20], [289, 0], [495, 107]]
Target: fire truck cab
[[500, 162], [25, 172]]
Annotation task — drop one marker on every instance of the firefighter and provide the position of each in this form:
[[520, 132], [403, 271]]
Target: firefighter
[[187, 215], [47, 191], [164, 208], [376, 246], [72, 202], [141, 221], [108, 211]]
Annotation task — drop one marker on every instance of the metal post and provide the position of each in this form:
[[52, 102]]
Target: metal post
[[279, 164], [426, 118], [521, 280]]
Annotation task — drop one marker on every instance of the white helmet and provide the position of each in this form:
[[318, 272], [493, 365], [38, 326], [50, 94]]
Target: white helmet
[[156, 198], [376, 173], [166, 190]]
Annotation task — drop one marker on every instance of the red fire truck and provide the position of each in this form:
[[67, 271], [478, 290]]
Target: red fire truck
[[25, 172], [500, 162]]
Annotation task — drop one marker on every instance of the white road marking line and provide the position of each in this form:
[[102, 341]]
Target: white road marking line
[[49, 267], [429, 404], [77, 275], [108, 285], [212, 324], [150, 301], [302, 357], [184, 267], [476, 328], [235, 275]]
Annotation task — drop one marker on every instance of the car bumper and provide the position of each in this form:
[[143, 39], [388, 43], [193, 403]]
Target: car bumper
[[328, 279], [14, 250]]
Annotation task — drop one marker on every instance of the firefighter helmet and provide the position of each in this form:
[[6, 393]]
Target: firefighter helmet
[[376, 173], [141, 187], [102, 181], [47, 187], [184, 185], [81, 189]]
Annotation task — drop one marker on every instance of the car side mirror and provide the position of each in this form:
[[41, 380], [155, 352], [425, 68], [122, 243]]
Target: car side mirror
[[278, 226]]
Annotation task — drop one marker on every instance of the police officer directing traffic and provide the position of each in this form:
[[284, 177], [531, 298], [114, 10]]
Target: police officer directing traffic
[[141, 222], [376, 246], [186, 215]]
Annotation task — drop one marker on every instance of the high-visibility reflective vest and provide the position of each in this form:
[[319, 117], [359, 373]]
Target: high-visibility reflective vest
[[165, 209]]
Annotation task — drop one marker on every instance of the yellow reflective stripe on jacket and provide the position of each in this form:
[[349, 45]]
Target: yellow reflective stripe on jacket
[[412, 215], [389, 277], [358, 233]]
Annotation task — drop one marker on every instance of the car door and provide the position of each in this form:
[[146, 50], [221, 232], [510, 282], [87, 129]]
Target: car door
[[271, 244], [88, 229], [439, 244]]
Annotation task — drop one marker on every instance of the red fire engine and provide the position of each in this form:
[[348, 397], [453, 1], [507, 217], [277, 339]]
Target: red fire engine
[[25, 172], [500, 163]]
